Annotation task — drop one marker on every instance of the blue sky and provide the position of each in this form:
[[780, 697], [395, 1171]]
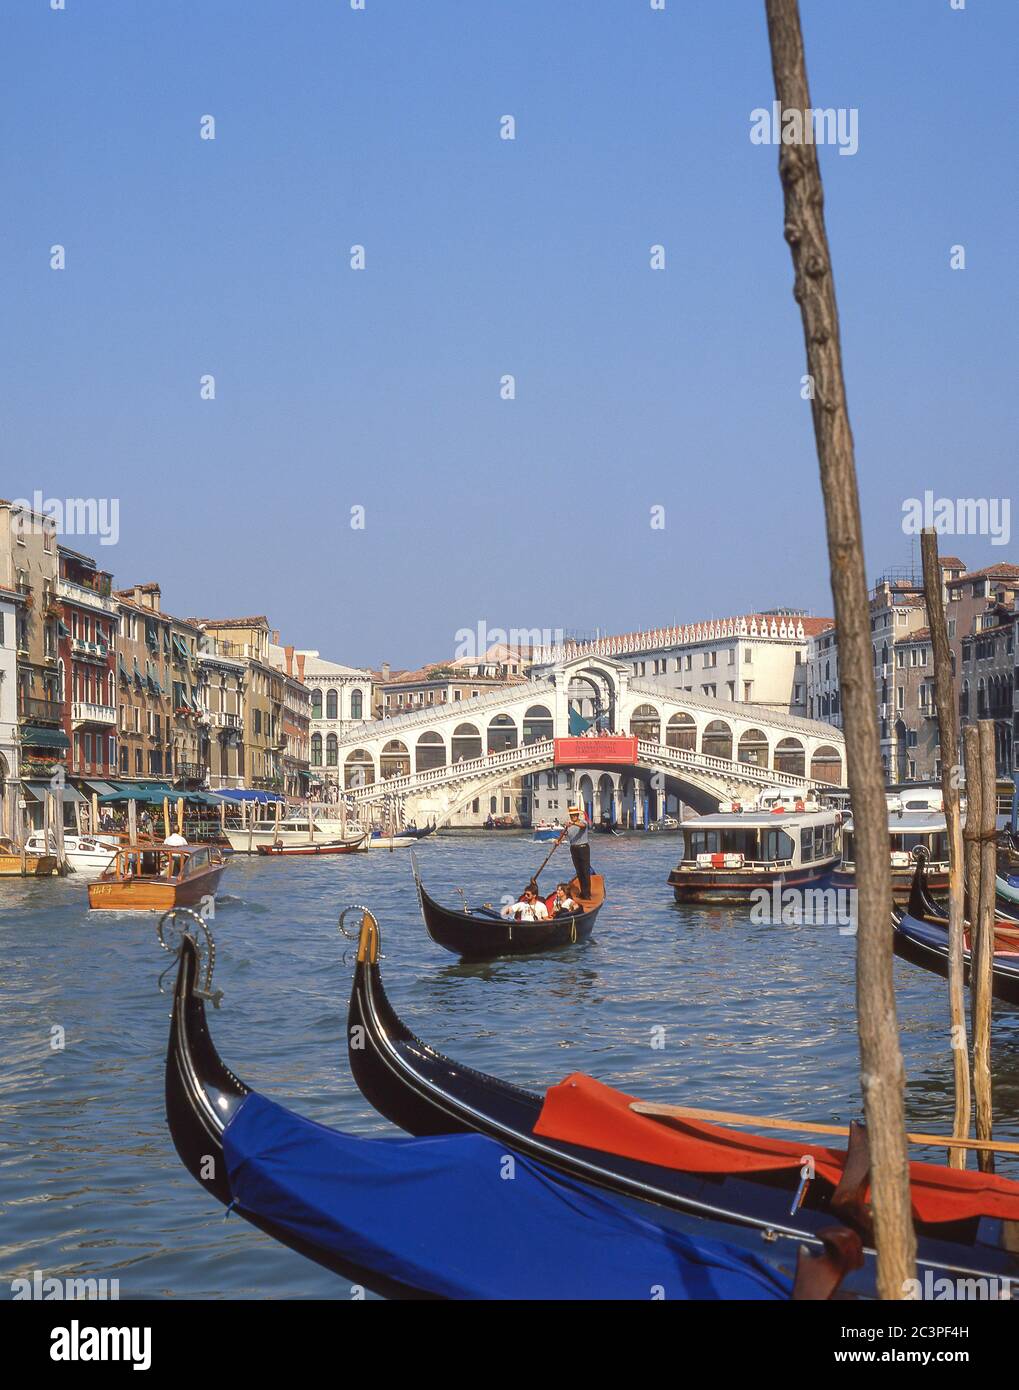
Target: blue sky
[[337, 388]]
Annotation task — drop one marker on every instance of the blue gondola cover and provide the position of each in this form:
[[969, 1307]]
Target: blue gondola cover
[[459, 1217]]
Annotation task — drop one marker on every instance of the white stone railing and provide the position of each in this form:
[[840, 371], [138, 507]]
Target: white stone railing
[[84, 713], [542, 754], [665, 756], [538, 754], [81, 593]]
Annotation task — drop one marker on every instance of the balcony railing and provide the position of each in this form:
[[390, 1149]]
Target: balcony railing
[[219, 719], [191, 772], [84, 713], [33, 708], [91, 651], [87, 597]]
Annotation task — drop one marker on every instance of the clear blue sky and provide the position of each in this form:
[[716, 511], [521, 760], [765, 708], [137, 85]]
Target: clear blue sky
[[484, 257]]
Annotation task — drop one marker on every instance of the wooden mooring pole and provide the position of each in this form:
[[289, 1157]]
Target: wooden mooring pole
[[948, 732], [882, 1073], [982, 935]]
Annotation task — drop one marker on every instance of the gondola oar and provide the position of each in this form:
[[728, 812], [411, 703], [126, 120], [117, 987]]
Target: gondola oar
[[731, 1117], [548, 856]]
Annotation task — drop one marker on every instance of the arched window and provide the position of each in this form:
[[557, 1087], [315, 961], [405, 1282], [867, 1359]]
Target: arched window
[[430, 752], [790, 757], [646, 722], [359, 769], [332, 752], [681, 731], [466, 743], [316, 750], [716, 741], [502, 733], [753, 748], [537, 724], [316, 704], [330, 704], [355, 705], [826, 765], [395, 760]]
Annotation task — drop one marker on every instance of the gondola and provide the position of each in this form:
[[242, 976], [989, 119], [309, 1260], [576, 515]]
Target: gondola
[[924, 906], [748, 1183], [481, 934], [401, 1216], [921, 937]]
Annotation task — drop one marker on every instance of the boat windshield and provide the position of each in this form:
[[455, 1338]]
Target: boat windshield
[[766, 845]]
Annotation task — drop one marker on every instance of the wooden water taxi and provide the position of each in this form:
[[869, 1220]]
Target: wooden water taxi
[[155, 878], [729, 856], [34, 865]]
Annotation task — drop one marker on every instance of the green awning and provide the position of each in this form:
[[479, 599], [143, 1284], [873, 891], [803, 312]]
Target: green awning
[[125, 674], [38, 790], [44, 738]]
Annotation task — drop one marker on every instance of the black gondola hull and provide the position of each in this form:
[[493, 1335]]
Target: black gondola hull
[[202, 1095], [425, 1093], [475, 937]]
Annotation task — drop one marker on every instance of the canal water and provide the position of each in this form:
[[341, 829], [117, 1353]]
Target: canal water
[[696, 1005]]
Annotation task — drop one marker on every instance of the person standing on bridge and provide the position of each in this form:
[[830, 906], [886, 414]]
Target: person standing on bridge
[[580, 850]]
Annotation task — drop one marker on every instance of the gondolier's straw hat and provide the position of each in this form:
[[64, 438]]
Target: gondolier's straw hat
[[573, 810]]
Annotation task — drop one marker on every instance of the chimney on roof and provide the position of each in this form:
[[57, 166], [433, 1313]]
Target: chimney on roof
[[148, 595], [288, 652], [275, 636], [300, 666], [385, 670]]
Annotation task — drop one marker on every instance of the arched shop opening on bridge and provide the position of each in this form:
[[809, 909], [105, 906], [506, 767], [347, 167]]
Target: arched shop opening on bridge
[[430, 752], [359, 769], [395, 759], [502, 734], [466, 743]]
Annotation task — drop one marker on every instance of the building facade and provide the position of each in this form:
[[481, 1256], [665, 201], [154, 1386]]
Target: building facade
[[340, 697], [87, 645], [29, 571], [756, 659], [10, 788], [224, 677], [264, 692]]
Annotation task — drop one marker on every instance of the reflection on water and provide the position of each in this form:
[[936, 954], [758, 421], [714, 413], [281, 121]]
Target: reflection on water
[[692, 1004]]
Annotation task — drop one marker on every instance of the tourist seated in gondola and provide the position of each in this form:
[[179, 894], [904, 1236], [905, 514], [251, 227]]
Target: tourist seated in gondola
[[560, 903], [527, 908]]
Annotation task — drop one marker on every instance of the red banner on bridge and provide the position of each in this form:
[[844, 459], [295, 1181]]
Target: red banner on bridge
[[615, 749]]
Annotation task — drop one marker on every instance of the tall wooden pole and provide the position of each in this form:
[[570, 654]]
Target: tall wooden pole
[[948, 731], [881, 1065], [982, 938]]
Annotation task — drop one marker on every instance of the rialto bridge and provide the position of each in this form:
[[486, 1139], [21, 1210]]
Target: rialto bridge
[[437, 758]]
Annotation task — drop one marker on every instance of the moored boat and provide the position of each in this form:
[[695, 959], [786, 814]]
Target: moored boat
[[732, 855], [157, 878], [750, 1182], [326, 847], [35, 863], [293, 829], [921, 936], [916, 822], [86, 854], [401, 1217]]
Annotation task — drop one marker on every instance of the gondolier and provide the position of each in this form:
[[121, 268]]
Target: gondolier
[[580, 850]]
